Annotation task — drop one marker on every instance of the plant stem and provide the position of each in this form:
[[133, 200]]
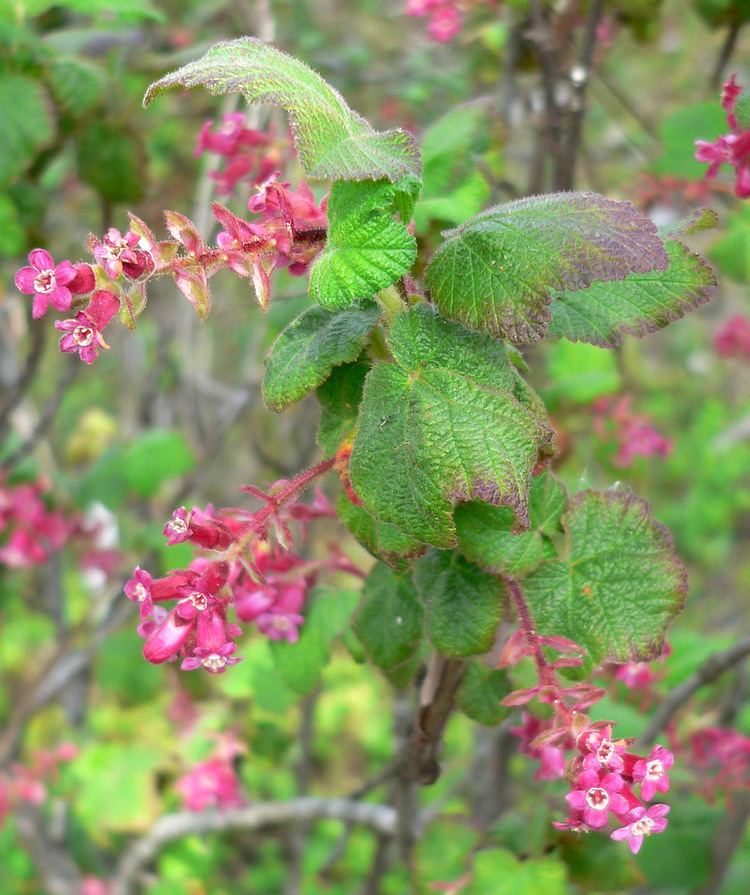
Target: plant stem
[[391, 302]]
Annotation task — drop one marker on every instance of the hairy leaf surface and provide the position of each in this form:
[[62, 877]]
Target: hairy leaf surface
[[451, 420], [619, 584], [332, 141], [498, 272], [382, 539], [640, 304], [304, 354], [340, 397]]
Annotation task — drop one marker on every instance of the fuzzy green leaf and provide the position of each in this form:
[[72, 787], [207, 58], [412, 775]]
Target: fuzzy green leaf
[[450, 421], [640, 304], [339, 398], [619, 584], [486, 536], [388, 621], [332, 141], [463, 605], [27, 123], [498, 272], [368, 248], [382, 539], [480, 693], [304, 354]]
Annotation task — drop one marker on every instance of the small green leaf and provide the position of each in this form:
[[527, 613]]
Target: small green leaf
[[486, 535], [499, 871], [112, 160], [498, 272], [27, 123], [382, 539], [480, 693], [642, 303], [620, 582], [340, 397], [463, 605], [388, 621], [331, 140], [154, 458], [451, 420], [368, 248], [304, 354]]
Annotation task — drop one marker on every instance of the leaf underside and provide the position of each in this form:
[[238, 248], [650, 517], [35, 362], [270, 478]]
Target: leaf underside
[[450, 420], [498, 272], [619, 585], [332, 141]]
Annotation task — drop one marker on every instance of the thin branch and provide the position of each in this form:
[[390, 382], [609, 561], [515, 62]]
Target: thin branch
[[728, 838], [725, 53], [57, 871], [541, 36], [380, 818], [20, 386], [706, 673]]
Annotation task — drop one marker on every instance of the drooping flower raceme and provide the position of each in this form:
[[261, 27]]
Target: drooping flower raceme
[[731, 149]]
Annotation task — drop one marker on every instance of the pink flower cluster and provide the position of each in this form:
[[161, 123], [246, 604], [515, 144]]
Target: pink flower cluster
[[604, 775], [261, 582], [445, 17], [732, 338], [248, 153], [26, 783], [634, 432], [31, 531], [723, 757], [731, 149]]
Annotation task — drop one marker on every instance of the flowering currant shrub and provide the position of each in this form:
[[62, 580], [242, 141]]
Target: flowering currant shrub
[[509, 590]]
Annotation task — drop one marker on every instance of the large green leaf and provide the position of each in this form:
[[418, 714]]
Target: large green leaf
[[619, 584], [332, 141], [304, 354], [339, 398], [451, 420], [463, 605], [486, 536], [388, 621], [382, 539], [27, 123], [498, 272], [368, 248], [640, 304]]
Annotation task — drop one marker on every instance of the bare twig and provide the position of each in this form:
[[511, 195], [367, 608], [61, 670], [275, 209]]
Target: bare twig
[[57, 872], [19, 388], [728, 838], [725, 53], [380, 818], [541, 36], [706, 673]]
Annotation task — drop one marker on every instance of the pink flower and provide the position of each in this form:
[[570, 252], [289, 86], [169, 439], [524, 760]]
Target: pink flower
[[732, 338], [600, 751], [120, 254], [210, 784], [199, 527], [652, 772], [444, 24], [47, 282], [214, 661], [94, 885], [230, 137], [729, 149], [138, 589], [644, 823], [83, 333], [596, 795]]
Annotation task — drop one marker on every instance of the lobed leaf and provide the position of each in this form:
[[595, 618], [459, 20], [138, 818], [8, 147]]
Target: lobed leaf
[[498, 272], [332, 141], [619, 585], [368, 248], [306, 351], [462, 604], [642, 303], [450, 420]]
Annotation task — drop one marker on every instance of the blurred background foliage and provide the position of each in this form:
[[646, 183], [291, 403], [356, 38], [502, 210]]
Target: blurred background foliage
[[172, 413]]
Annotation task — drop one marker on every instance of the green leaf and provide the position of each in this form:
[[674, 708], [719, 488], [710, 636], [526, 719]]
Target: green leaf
[[12, 232], [498, 272], [463, 605], [383, 540], [642, 303], [300, 664], [388, 621], [480, 693], [112, 160], [580, 373], [332, 141], [368, 248], [486, 535], [77, 84], [620, 582], [27, 123], [449, 421], [678, 132], [154, 458], [500, 872], [304, 354], [339, 398], [731, 252]]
